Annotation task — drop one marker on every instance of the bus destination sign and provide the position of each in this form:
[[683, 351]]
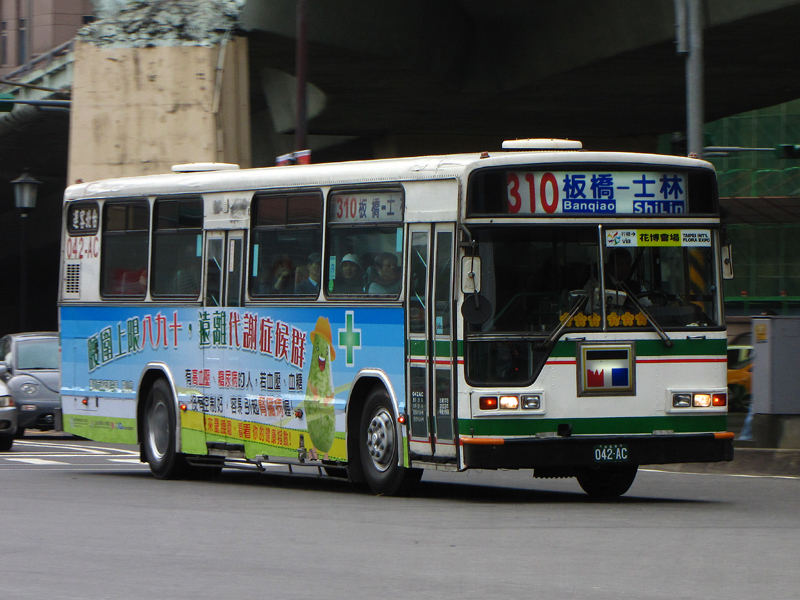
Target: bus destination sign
[[83, 218], [596, 193], [359, 207]]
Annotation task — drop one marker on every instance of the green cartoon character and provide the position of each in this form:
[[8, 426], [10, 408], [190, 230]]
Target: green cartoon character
[[319, 389]]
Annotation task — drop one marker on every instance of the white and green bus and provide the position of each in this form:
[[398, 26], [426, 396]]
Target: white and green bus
[[540, 307]]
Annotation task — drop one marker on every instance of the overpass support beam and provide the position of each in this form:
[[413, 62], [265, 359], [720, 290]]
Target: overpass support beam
[[689, 23]]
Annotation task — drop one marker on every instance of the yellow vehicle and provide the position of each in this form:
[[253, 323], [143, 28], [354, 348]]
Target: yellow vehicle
[[740, 364]]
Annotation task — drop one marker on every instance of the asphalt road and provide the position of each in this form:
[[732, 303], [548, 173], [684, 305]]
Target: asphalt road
[[83, 520]]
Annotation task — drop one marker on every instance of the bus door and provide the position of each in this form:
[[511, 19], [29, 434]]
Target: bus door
[[224, 288], [432, 352]]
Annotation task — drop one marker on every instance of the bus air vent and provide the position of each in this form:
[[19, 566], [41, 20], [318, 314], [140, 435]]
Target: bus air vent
[[204, 167], [72, 280], [542, 144]]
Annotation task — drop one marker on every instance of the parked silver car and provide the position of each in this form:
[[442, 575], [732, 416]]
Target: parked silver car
[[31, 368], [8, 418]]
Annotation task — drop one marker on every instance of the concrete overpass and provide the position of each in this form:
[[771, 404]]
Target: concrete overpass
[[602, 69], [414, 76]]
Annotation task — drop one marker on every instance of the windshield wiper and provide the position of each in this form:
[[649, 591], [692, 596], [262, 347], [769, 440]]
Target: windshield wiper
[[661, 333], [557, 331]]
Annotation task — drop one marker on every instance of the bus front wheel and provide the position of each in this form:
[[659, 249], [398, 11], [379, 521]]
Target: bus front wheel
[[379, 445], [159, 433], [605, 483]]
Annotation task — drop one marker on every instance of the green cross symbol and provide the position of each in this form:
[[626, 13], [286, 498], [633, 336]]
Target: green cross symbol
[[350, 338]]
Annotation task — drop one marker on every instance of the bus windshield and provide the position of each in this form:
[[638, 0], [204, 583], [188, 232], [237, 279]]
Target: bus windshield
[[534, 278]]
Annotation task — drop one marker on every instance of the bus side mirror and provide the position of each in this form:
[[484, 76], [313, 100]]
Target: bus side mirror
[[471, 274], [727, 261]]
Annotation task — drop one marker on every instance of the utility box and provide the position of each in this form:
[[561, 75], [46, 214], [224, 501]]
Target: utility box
[[776, 365]]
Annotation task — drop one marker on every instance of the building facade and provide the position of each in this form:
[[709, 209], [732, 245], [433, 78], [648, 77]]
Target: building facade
[[32, 28]]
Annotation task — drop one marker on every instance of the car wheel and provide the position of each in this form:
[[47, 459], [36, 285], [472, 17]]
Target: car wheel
[[6, 441]]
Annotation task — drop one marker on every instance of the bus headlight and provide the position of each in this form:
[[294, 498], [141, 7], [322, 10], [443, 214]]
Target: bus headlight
[[701, 400], [509, 402], [681, 400], [533, 402]]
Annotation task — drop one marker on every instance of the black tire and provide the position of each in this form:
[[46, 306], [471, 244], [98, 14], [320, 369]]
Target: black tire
[[379, 445], [158, 434], [605, 483], [20, 433], [6, 441]]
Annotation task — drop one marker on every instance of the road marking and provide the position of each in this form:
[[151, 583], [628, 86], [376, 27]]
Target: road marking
[[37, 461], [132, 461], [764, 476]]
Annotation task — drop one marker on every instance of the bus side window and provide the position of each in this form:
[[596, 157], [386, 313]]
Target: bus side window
[[126, 228], [364, 260], [178, 247], [286, 244]]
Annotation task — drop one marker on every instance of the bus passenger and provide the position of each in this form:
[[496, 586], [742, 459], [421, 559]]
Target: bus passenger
[[281, 278], [388, 280], [311, 284], [350, 279]]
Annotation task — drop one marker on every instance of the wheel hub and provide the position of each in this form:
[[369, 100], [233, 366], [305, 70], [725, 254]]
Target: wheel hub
[[380, 439]]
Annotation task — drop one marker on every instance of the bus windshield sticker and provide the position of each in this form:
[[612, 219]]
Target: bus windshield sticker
[[686, 238], [596, 193], [366, 207]]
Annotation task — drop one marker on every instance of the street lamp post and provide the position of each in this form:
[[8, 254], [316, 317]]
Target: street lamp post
[[25, 191]]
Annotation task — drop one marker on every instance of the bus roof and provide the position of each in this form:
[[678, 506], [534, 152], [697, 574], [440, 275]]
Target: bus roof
[[378, 172]]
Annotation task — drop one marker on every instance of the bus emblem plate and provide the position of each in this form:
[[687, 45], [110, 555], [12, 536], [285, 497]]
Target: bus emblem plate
[[606, 369]]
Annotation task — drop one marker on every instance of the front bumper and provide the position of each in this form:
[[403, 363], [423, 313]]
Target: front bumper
[[581, 451], [8, 420], [41, 417]]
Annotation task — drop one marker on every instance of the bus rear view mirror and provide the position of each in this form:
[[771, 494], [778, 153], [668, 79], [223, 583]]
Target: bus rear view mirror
[[726, 253], [471, 274]]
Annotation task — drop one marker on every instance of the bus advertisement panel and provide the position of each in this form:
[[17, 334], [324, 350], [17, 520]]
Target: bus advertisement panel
[[274, 379]]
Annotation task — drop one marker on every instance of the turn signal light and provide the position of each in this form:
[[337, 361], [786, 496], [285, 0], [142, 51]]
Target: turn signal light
[[184, 407], [488, 403], [719, 400]]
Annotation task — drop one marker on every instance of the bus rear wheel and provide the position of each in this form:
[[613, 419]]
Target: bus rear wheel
[[159, 431], [605, 483], [379, 445]]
